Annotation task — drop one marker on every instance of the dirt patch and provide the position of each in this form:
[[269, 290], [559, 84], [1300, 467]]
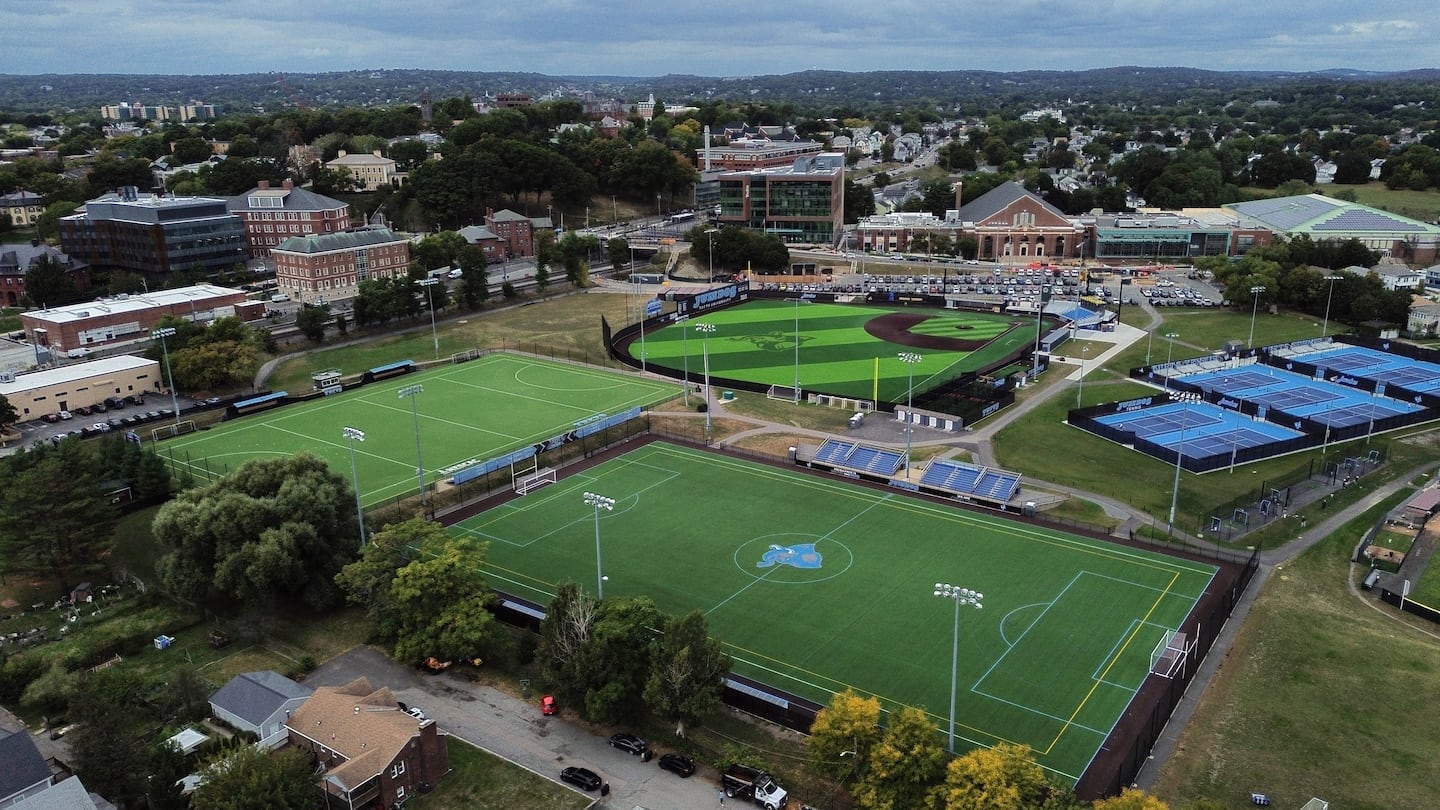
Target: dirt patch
[[895, 328]]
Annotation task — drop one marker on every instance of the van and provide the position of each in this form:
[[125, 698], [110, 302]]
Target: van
[[456, 273], [76, 354], [279, 298]]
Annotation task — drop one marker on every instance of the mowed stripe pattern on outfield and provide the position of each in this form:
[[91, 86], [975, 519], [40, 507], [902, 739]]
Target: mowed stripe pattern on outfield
[[816, 585], [468, 411]]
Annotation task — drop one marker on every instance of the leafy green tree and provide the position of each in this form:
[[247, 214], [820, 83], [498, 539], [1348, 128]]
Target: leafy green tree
[[106, 750], [54, 513], [440, 600], [850, 723], [247, 778], [859, 201], [8, 414], [191, 150], [163, 787], [618, 249], [49, 283], [544, 256], [273, 526], [1005, 777], [904, 766], [366, 581], [409, 155], [688, 673], [474, 280], [564, 634], [617, 661], [311, 321]]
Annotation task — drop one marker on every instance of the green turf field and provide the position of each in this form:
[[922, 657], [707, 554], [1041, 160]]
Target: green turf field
[[468, 411], [755, 342], [1053, 658]]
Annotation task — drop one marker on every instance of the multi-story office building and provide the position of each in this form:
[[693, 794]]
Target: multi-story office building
[[154, 234], [803, 203], [330, 266], [273, 215]]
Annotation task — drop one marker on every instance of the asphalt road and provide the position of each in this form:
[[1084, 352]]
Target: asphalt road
[[515, 730]]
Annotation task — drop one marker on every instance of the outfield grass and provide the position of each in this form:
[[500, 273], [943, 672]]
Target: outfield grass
[[1053, 659], [1319, 696], [756, 341], [481, 781], [468, 412]]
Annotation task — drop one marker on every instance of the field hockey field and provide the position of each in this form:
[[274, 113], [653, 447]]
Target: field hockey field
[[839, 345], [816, 585], [467, 412]]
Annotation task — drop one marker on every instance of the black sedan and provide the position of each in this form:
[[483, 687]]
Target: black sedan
[[629, 742], [677, 764], [583, 778]]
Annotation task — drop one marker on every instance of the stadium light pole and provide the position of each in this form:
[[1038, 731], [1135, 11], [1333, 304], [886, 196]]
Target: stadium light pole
[[1254, 308], [434, 335], [795, 392], [412, 393], [356, 435], [706, 329], [162, 333], [909, 359], [1180, 454], [962, 597], [598, 502], [1325, 328], [1169, 355], [1080, 392]]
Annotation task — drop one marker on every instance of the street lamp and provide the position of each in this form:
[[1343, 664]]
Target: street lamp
[[1325, 329], [710, 245], [1169, 355], [411, 392], [356, 435], [1254, 308], [599, 502], [962, 597], [706, 329], [427, 284], [162, 333], [909, 359], [1080, 392]]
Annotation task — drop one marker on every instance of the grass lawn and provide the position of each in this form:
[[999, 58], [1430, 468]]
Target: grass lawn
[[480, 781], [467, 413], [815, 585], [756, 342], [1320, 696], [567, 325]]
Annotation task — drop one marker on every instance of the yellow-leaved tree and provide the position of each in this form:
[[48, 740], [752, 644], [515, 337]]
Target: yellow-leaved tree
[[848, 727], [1005, 777], [1131, 800]]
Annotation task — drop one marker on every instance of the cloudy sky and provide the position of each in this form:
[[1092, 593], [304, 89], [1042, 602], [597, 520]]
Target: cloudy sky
[[712, 38]]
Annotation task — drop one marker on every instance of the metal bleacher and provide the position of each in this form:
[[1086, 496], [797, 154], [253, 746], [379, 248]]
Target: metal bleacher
[[859, 457], [961, 478]]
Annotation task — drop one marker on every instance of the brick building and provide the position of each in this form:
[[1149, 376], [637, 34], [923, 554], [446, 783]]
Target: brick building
[[516, 232], [326, 267], [371, 753], [273, 215], [17, 260], [132, 317]]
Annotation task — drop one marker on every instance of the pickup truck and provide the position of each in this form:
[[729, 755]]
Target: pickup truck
[[755, 785]]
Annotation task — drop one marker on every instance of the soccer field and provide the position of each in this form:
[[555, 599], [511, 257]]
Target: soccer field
[[756, 341], [467, 412], [815, 585]]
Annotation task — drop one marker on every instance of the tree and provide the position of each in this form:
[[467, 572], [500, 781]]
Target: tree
[[273, 526], [1131, 799], [191, 150], [1005, 777], [49, 283], [53, 511], [544, 255], [311, 321], [366, 581], [106, 750], [849, 724], [564, 634], [474, 280], [440, 598], [904, 766], [248, 778], [598, 655], [688, 673], [8, 414]]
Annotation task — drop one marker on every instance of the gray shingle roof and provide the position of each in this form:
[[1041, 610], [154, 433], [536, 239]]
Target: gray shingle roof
[[254, 696], [24, 766], [476, 233], [996, 199], [295, 199], [368, 236], [67, 795]]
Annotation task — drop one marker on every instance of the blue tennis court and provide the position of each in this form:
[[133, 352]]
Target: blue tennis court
[[1391, 369], [1197, 429], [1298, 395]]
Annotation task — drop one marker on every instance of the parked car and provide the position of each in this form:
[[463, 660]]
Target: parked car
[[135, 399], [114, 403], [629, 743], [98, 407], [583, 778], [81, 411], [51, 418], [100, 427], [677, 764], [66, 415], [547, 705]]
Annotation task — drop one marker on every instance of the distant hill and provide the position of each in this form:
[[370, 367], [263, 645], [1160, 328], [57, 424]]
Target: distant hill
[[818, 90]]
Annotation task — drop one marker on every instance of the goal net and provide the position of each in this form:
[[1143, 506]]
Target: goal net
[[784, 392], [534, 479], [172, 430], [1169, 654]]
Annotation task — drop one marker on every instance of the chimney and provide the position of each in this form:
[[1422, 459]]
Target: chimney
[[707, 147], [288, 184], [264, 184], [959, 195], [376, 153], [342, 153]]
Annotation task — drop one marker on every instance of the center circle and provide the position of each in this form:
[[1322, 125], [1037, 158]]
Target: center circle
[[793, 558]]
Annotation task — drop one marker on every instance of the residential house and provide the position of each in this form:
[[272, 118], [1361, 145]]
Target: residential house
[[69, 794], [487, 240], [260, 703], [371, 172], [17, 260], [1399, 277], [25, 772], [1423, 320], [516, 231], [372, 754], [22, 208], [273, 215]]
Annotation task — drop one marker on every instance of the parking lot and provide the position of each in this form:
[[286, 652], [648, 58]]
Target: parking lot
[[516, 730]]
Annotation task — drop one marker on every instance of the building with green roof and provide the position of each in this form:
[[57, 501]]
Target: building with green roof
[[1327, 219]]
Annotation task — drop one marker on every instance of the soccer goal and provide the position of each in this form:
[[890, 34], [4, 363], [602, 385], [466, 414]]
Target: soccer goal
[[784, 393], [172, 430], [534, 479], [461, 357], [1170, 654]]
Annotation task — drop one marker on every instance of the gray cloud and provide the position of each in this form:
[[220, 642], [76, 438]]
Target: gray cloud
[[744, 37]]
